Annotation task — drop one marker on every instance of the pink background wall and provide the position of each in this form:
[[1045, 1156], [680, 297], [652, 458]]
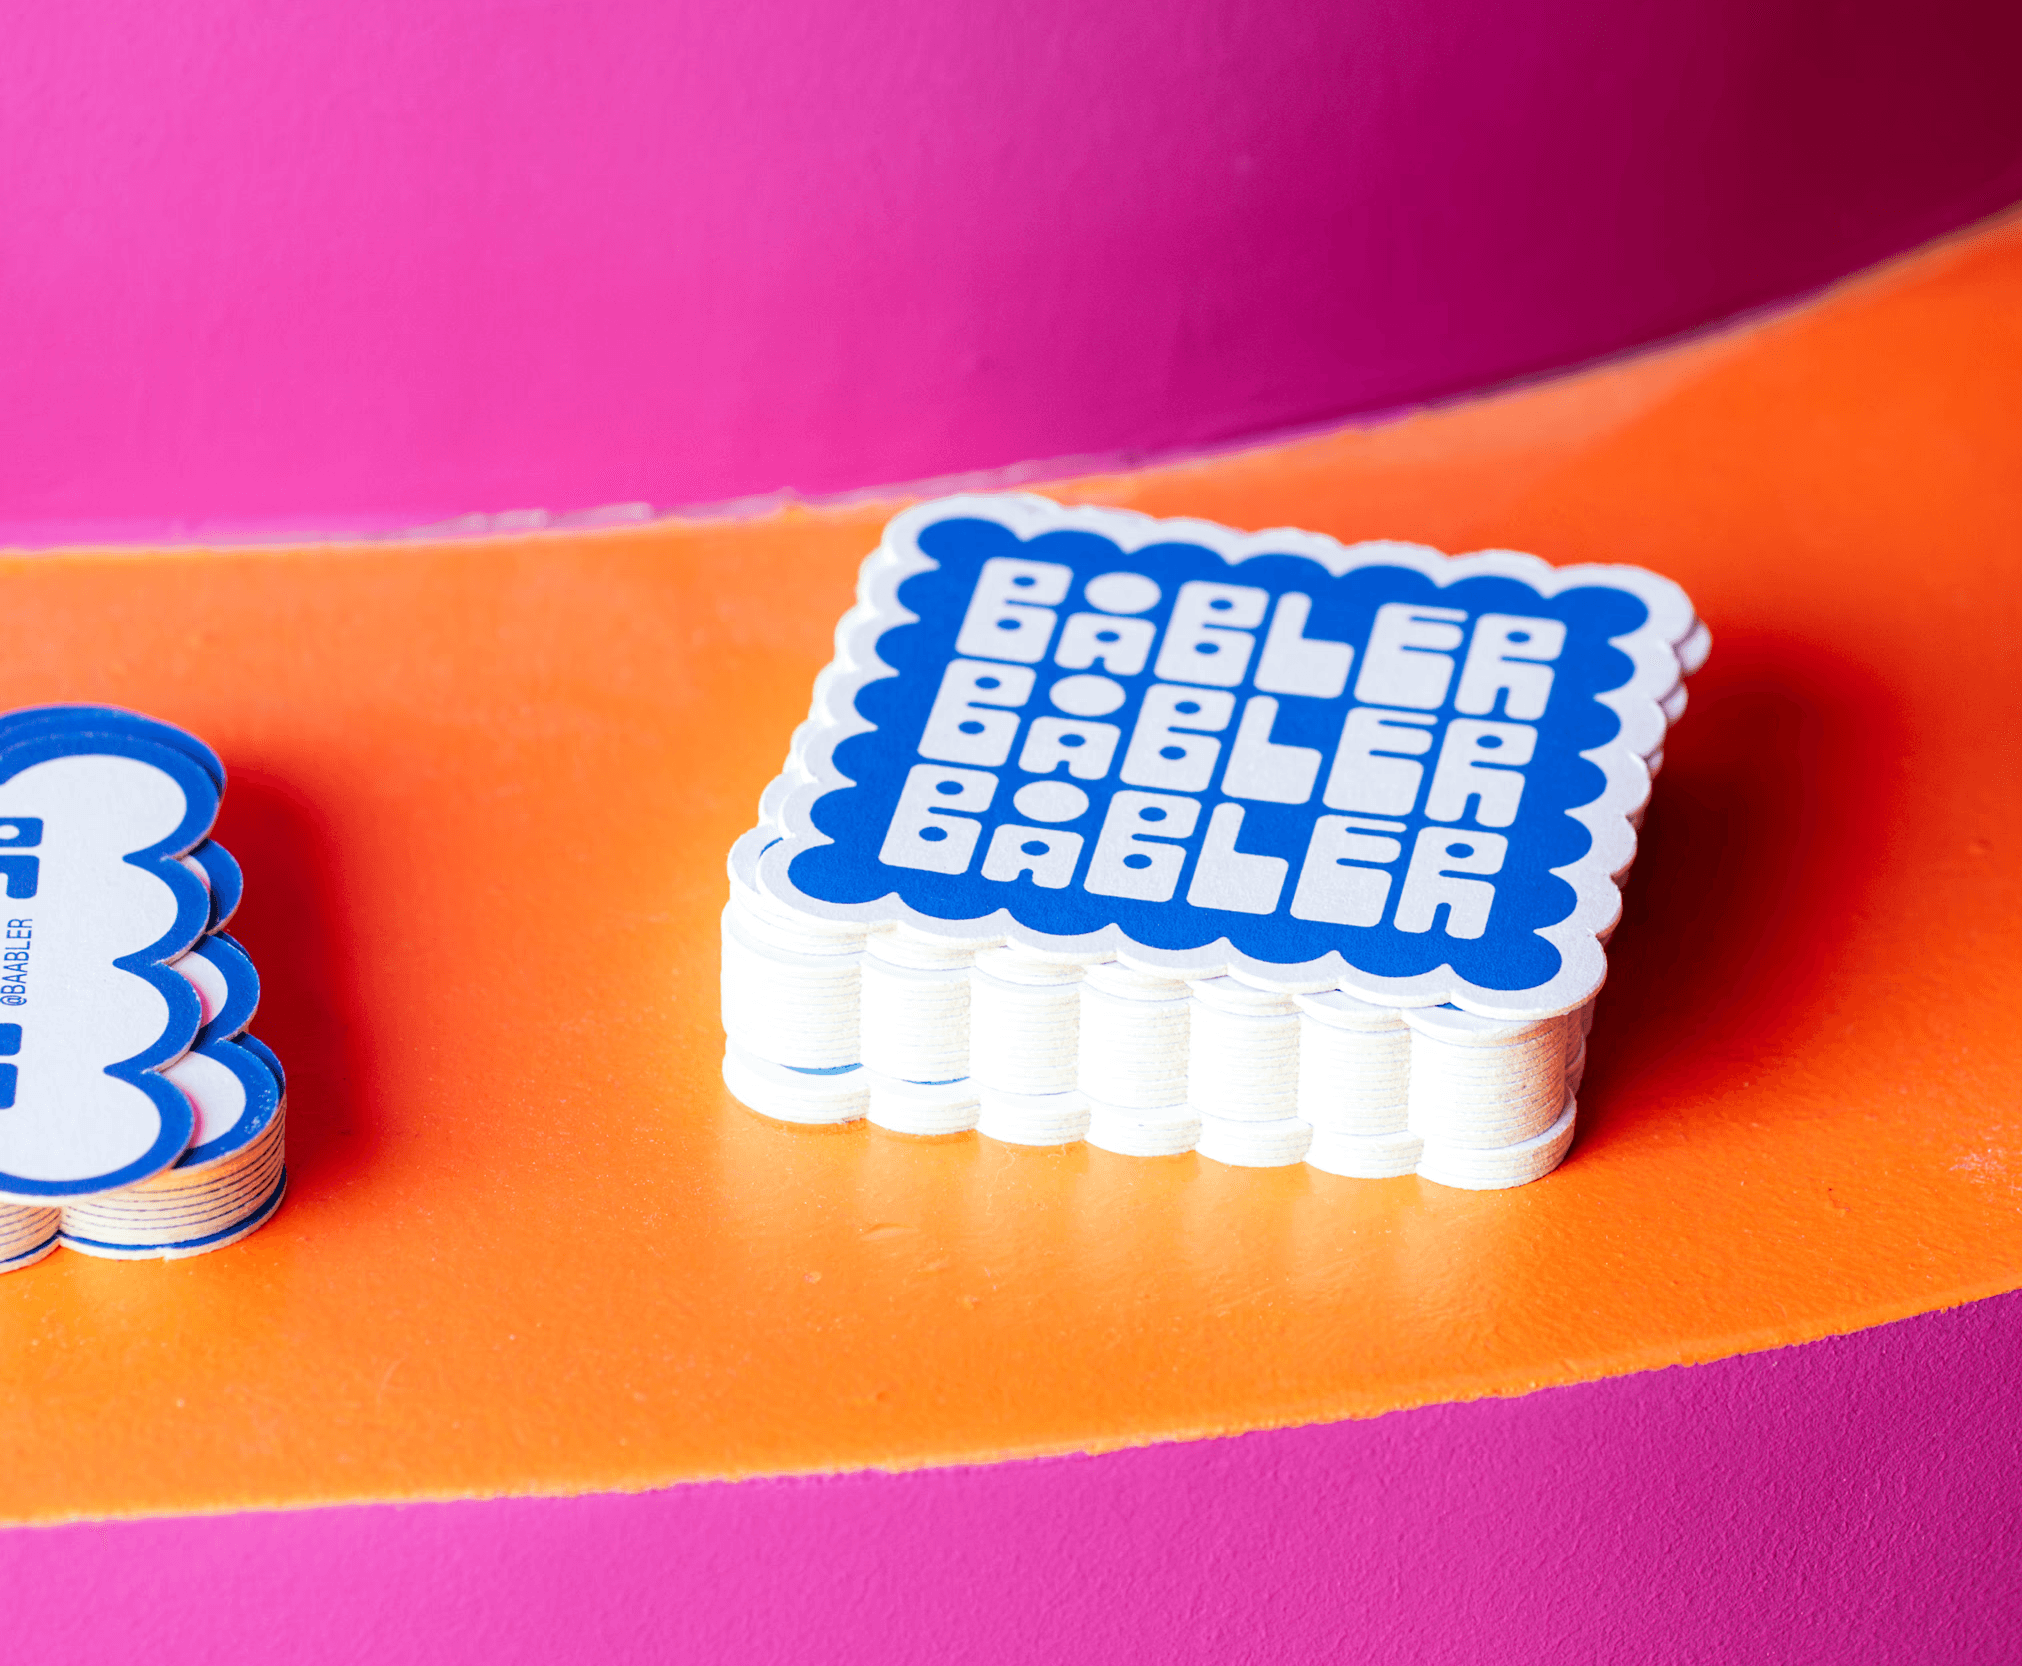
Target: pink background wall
[[369, 263], [1855, 1502], [361, 264]]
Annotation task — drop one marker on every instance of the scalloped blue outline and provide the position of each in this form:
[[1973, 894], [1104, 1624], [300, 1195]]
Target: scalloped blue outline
[[228, 881], [263, 1101], [19, 751], [242, 987], [267, 1056], [1580, 937], [112, 720]]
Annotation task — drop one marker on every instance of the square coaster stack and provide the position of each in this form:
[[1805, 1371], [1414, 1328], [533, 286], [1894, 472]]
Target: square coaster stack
[[1173, 838], [145, 1121]]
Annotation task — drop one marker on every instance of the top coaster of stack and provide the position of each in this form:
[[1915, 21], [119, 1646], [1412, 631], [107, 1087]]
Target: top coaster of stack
[[1308, 765]]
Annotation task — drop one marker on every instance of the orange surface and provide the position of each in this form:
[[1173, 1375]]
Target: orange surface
[[482, 793]]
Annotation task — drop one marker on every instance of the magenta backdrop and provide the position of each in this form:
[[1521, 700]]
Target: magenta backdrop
[[356, 264], [1855, 1502], [364, 263]]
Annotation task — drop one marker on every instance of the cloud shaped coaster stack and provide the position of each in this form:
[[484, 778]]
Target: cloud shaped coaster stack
[[138, 1117], [1171, 838]]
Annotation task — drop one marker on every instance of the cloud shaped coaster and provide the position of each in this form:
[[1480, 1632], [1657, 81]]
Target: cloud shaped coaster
[[136, 1117], [1171, 836], [91, 826]]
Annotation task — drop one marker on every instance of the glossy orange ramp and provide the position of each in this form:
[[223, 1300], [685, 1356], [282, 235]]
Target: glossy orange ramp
[[482, 792]]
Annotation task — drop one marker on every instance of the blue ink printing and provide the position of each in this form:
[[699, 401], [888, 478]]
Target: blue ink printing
[[1407, 774]]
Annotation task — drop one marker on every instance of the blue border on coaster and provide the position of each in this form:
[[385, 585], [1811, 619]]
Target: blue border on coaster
[[228, 881], [242, 986], [117, 720], [1505, 711], [22, 747], [263, 1101], [267, 1056]]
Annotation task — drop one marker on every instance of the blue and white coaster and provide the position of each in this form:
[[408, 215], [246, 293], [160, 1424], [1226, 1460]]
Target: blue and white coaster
[[126, 1087], [1202, 829], [98, 906]]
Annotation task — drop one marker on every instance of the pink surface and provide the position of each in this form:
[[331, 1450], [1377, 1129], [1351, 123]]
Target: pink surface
[[1851, 1501], [369, 263]]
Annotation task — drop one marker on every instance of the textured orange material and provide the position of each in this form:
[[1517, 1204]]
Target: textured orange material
[[482, 793]]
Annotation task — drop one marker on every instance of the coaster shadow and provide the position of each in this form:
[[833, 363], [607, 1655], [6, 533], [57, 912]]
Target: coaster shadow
[[312, 1011], [1766, 835]]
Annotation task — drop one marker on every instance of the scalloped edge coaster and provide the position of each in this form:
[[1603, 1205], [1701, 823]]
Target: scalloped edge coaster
[[95, 802], [1205, 760]]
